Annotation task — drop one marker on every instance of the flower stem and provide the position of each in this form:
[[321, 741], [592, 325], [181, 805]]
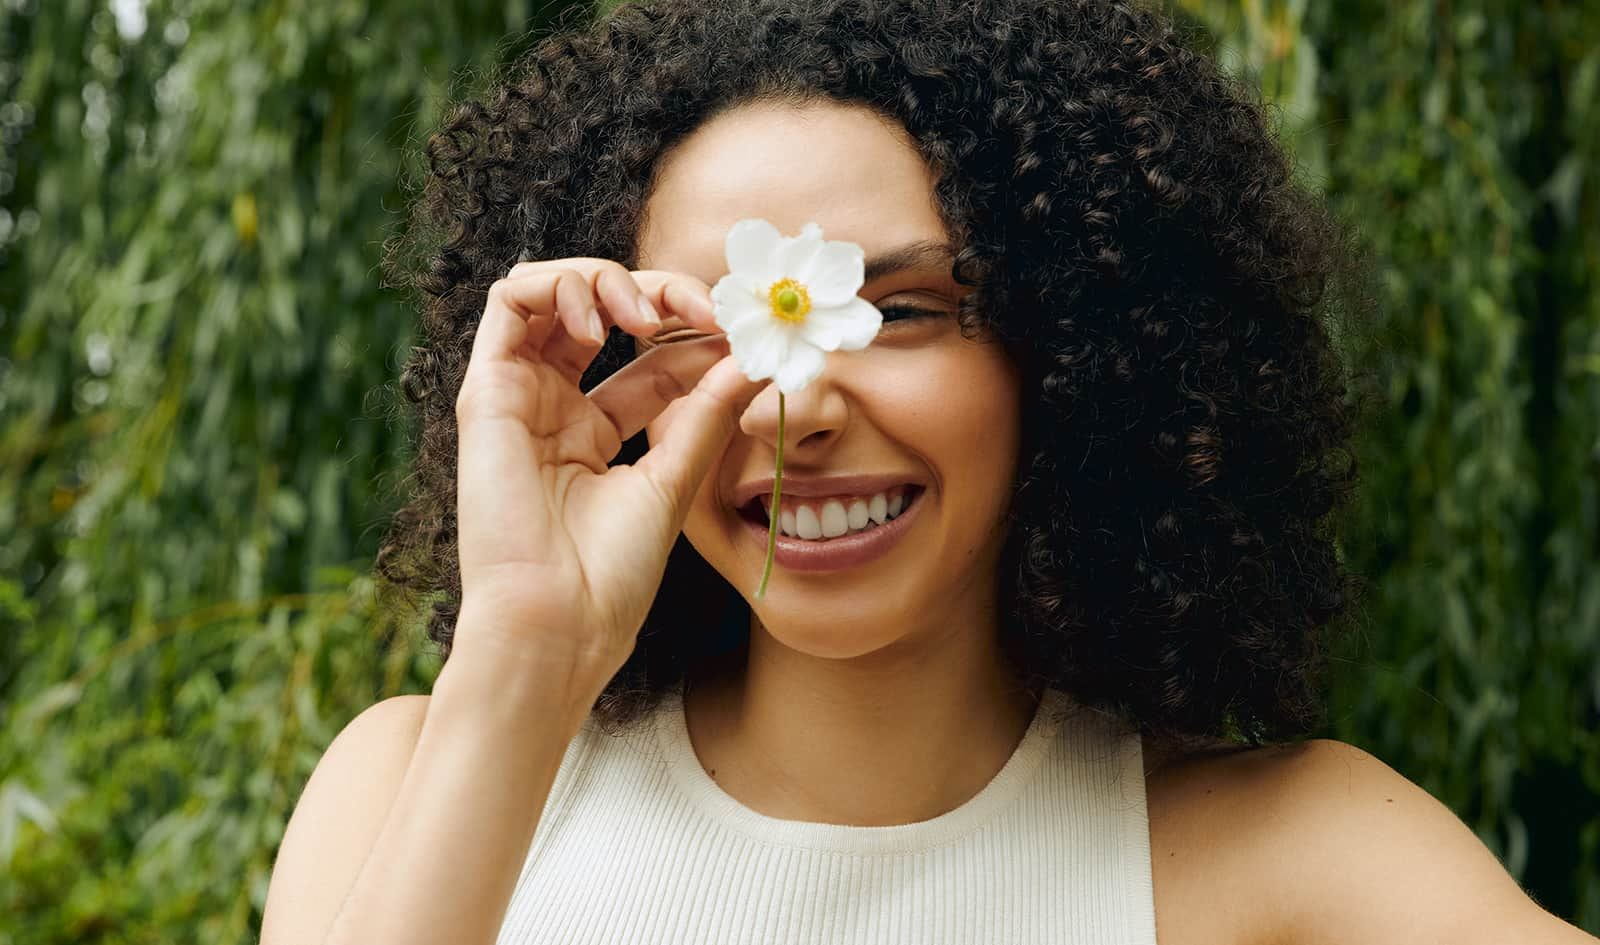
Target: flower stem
[[777, 491]]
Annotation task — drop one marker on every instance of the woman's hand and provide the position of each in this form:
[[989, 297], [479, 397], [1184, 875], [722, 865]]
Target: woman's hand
[[561, 556]]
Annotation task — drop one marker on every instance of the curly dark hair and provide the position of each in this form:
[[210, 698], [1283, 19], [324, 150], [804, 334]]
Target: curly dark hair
[[1134, 236]]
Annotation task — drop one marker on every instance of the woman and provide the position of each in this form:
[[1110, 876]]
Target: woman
[[1103, 403]]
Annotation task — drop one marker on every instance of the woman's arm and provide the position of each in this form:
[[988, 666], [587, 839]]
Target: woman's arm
[[417, 820]]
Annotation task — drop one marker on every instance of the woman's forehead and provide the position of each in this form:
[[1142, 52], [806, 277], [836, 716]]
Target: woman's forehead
[[842, 167]]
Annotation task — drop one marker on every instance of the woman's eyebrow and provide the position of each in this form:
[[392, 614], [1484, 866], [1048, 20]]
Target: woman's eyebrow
[[922, 253]]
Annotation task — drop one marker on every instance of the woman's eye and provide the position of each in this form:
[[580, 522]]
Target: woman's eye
[[894, 313]]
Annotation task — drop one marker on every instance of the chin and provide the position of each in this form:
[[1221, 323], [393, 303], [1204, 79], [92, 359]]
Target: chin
[[825, 636]]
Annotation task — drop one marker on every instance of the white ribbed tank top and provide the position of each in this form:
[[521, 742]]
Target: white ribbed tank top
[[638, 844]]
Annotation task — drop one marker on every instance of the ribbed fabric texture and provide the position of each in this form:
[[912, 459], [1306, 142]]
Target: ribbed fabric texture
[[637, 844]]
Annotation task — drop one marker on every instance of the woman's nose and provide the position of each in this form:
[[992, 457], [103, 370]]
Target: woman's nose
[[813, 418]]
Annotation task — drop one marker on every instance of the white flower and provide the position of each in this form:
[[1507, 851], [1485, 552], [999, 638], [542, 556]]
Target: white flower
[[787, 299]]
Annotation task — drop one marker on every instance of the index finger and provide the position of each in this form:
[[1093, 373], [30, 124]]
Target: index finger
[[679, 299], [682, 300], [640, 390]]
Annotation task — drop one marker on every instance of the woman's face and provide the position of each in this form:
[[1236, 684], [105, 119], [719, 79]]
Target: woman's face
[[920, 404]]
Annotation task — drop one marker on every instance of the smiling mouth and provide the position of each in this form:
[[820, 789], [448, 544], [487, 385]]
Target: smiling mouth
[[755, 513]]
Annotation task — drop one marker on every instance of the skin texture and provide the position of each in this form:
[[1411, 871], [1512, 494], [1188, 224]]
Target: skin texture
[[1322, 843], [874, 695]]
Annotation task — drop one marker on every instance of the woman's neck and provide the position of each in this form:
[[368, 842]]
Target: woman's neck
[[879, 740]]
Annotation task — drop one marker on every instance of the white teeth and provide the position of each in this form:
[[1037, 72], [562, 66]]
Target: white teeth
[[806, 524], [834, 522], [835, 518]]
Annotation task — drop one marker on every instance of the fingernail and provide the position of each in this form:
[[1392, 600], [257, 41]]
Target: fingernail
[[597, 331], [649, 311]]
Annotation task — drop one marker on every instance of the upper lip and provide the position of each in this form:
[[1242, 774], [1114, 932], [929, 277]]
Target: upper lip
[[819, 485]]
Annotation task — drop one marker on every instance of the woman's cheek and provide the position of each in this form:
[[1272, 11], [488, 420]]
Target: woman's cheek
[[957, 391]]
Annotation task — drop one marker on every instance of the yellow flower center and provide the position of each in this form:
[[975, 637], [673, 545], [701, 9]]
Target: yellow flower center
[[789, 299]]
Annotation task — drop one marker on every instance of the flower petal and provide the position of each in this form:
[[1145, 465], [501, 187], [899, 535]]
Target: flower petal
[[794, 254], [800, 368], [761, 351], [752, 250], [847, 327], [734, 304], [833, 272]]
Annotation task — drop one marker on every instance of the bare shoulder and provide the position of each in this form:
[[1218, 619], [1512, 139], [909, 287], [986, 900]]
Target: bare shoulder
[[1200, 871], [338, 817], [1321, 843]]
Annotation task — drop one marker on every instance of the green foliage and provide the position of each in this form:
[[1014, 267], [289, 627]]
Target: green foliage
[[197, 446]]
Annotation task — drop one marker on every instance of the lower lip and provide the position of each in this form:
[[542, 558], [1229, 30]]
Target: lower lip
[[846, 551]]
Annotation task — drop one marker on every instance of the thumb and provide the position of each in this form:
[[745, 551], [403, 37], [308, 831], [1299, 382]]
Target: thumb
[[707, 419]]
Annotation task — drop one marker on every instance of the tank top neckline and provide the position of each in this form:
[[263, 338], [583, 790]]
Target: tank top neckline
[[671, 732]]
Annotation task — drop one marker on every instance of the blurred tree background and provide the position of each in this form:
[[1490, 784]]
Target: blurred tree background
[[199, 442]]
